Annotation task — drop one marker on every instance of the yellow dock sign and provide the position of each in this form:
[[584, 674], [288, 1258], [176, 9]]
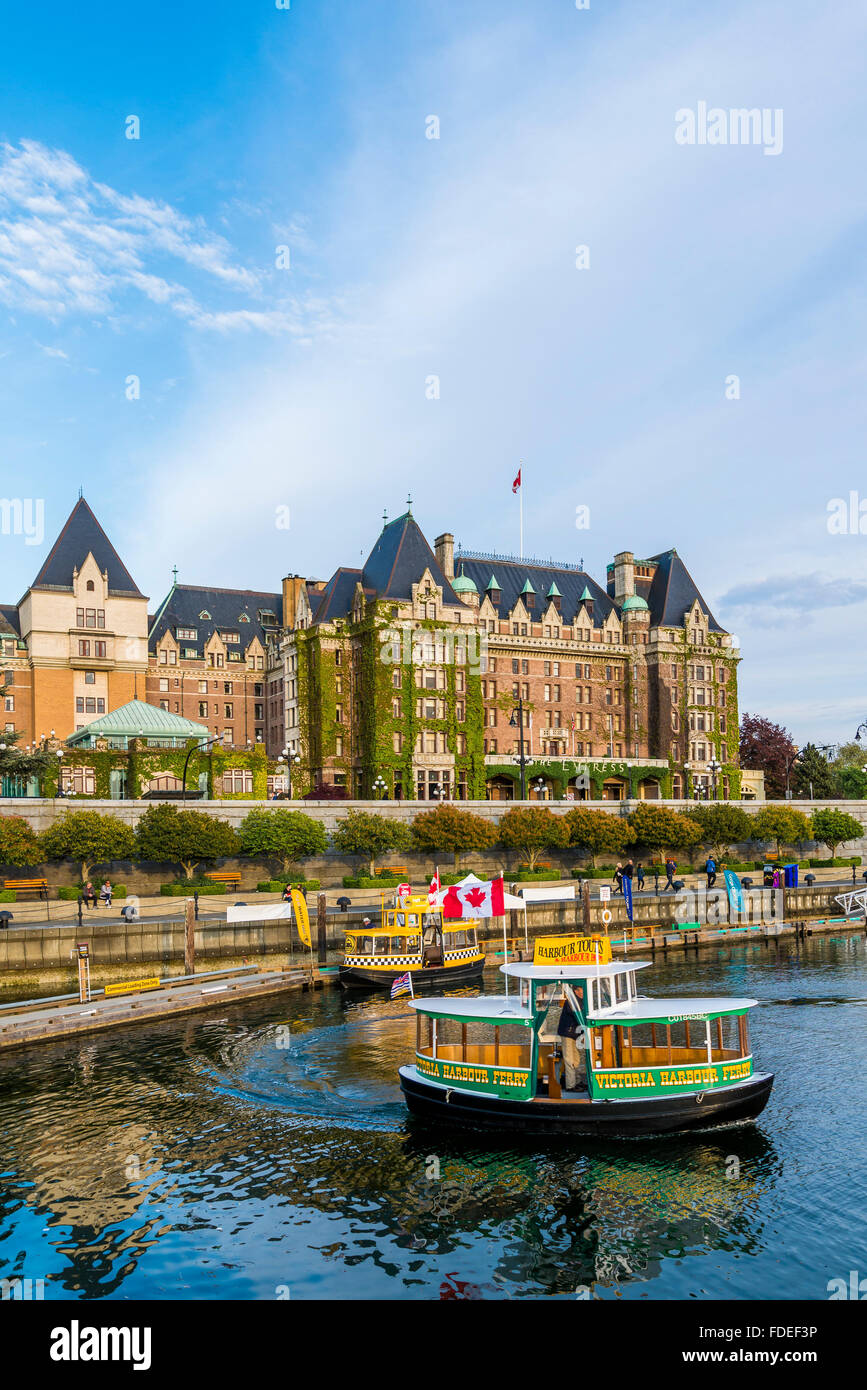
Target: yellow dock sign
[[133, 986]]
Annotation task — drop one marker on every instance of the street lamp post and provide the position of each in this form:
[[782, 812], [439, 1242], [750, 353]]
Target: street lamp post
[[288, 758], [200, 747], [521, 758], [539, 784], [714, 768], [379, 788]]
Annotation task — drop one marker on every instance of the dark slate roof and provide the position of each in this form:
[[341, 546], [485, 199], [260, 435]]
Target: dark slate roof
[[186, 601], [514, 574], [671, 592], [398, 560], [83, 535], [9, 622], [336, 599]]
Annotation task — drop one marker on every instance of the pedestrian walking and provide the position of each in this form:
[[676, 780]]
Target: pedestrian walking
[[617, 879], [629, 869], [639, 875], [710, 870], [670, 871]]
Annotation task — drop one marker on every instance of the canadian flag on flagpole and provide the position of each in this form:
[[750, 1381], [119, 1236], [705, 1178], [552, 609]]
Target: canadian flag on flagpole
[[434, 888], [517, 483], [475, 900]]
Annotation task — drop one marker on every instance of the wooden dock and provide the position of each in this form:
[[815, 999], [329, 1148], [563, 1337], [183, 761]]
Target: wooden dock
[[36, 1020]]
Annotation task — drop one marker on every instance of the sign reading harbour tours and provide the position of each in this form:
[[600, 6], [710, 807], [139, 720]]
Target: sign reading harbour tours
[[572, 950]]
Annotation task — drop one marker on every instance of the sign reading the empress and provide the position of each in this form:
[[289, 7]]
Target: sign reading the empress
[[572, 950]]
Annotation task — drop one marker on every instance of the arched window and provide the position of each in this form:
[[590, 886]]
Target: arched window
[[90, 586]]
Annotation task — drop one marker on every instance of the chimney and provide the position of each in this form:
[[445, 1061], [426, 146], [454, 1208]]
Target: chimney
[[624, 575], [444, 548], [292, 585]]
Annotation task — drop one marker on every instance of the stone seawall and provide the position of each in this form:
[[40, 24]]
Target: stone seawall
[[37, 953]]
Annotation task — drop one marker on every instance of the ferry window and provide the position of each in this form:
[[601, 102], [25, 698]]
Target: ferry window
[[412, 919], [423, 1033], [602, 993], [621, 992], [389, 919], [398, 945], [431, 919], [383, 944], [365, 945], [456, 939], [472, 939]]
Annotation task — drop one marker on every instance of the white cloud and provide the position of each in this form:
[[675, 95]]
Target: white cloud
[[70, 246]]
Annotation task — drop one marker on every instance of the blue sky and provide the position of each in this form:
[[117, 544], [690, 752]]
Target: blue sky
[[411, 258]]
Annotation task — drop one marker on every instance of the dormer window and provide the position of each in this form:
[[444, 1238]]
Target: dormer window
[[90, 586], [204, 616], [243, 618]]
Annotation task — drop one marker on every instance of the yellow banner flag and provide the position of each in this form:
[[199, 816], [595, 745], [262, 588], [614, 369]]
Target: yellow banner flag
[[299, 907], [571, 950]]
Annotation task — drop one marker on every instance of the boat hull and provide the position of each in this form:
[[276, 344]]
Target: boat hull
[[432, 977], [599, 1119]]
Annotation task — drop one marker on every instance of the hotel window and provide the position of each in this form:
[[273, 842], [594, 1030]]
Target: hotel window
[[79, 704], [83, 647], [79, 617], [203, 709], [100, 706], [164, 704], [228, 712], [555, 668], [674, 673], [515, 667], [395, 709], [9, 704], [460, 680], [90, 617], [523, 629], [230, 638], [547, 692], [555, 723], [547, 668], [187, 634], [397, 743], [395, 679], [237, 781], [459, 709], [164, 684], [492, 718], [338, 713], [556, 692], [338, 746], [99, 650], [203, 687], [227, 687], [80, 781]]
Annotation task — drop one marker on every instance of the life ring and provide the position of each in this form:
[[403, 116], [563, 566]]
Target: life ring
[[606, 915], [699, 1097]]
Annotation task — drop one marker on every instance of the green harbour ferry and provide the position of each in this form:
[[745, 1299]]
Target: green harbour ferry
[[640, 1066]]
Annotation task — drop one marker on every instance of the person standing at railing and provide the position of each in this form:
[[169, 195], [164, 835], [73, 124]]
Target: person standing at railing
[[570, 1031]]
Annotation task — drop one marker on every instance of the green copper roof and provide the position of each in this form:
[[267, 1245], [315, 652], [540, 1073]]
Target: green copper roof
[[463, 584], [635, 603], [528, 588], [586, 595], [554, 592], [137, 717], [492, 583]]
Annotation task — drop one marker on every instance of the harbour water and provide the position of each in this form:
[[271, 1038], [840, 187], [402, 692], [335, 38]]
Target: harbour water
[[266, 1153]]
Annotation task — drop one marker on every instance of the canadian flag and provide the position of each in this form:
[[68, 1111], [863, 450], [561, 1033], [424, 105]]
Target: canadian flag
[[475, 900], [434, 888], [517, 483]]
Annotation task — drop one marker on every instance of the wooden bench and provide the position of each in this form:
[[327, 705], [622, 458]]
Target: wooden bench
[[231, 878], [29, 885], [392, 871]]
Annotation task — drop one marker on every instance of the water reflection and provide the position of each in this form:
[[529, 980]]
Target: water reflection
[[228, 1155]]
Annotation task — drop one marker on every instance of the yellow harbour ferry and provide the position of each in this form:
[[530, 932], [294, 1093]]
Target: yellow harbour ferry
[[412, 938], [635, 1065]]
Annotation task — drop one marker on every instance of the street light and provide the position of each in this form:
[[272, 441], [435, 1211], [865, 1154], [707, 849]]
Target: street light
[[379, 788], [521, 758], [862, 728], [201, 747], [289, 759], [714, 768], [539, 784]]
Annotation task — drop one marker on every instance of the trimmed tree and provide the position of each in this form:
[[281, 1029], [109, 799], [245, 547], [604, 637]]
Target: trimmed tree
[[721, 826], [186, 838], [19, 845], [661, 829], [88, 837], [833, 828], [284, 835], [597, 832], [533, 830], [781, 824], [364, 832], [450, 830]]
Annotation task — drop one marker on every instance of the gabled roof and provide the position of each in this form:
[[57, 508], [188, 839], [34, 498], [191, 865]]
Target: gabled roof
[[9, 621], [672, 593], [516, 575], [230, 610], [399, 559], [82, 536], [336, 599], [135, 717]]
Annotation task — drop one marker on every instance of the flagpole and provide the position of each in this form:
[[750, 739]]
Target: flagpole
[[521, 505]]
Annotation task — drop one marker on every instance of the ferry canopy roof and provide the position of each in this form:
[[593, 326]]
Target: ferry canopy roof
[[524, 971], [645, 1010], [499, 1008]]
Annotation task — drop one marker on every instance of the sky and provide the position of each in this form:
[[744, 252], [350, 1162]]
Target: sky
[[361, 252]]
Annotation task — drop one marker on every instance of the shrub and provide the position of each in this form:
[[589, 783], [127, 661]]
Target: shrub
[[88, 837], [7, 896], [282, 834], [531, 830], [186, 838], [368, 834], [19, 844], [276, 885], [186, 890], [371, 881]]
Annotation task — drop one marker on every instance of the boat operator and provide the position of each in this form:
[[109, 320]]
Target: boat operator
[[571, 1035]]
